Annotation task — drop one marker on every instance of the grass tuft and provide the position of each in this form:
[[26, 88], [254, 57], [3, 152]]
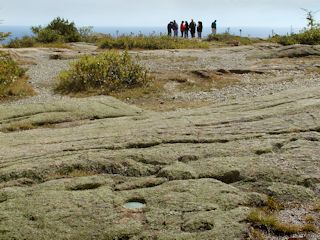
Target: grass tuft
[[256, 234], [270, 222], [273, 205]]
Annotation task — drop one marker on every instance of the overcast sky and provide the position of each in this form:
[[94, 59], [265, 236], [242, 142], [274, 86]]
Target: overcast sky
[[247, 13]]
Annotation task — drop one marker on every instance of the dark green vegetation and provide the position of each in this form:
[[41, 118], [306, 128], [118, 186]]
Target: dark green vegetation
[[227, 38], [149, 42], [27, 42], [104, 73], [13, 81], [23, 42], [57, 32], [310, 37], [3, 36], [58, 29]]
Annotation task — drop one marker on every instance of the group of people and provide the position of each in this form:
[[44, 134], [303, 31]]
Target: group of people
[[191, 27]]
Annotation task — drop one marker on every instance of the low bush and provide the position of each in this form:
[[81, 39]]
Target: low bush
[[102, 74], [13, 81], [3, 36], [149, 42], [48, 36], [27, 42], [23, 42], [309, 37], [88, 35], [228, 38]]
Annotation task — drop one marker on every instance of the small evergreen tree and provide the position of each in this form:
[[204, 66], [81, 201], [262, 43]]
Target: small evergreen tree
[[59, 29]]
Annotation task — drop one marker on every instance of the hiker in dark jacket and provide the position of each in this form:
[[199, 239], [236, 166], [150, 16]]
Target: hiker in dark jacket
[[199, 29], [170, 25], [193, 28], [175, 28], [186, 30], [214, 27]]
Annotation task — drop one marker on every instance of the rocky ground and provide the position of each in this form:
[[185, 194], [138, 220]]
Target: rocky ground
[[249, 129]]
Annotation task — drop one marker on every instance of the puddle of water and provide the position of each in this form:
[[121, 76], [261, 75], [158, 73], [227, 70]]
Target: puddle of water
[[134, 205]]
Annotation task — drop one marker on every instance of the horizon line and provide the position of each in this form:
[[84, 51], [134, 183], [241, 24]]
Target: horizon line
[[159, 26]]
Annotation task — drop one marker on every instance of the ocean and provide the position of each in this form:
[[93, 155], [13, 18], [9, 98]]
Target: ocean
[[259, 32]]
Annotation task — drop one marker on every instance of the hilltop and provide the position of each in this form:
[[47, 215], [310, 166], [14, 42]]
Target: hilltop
[[226, 132]]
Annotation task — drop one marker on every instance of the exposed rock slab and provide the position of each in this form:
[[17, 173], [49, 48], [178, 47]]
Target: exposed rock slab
[[67, 110], [198, 171]]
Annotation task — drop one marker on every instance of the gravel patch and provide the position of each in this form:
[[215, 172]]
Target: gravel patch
[[280, 75]]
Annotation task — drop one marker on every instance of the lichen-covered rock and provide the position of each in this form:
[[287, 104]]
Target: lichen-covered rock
[[178, 171], [197, 171], [289, 192]]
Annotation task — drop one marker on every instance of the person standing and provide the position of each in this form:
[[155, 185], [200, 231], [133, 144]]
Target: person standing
[[186, 30], [199, 29], [193, 28], [169, 27], [182, 28], [175, 28], [214, 27]]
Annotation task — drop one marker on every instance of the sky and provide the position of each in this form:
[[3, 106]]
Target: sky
[[121, 13]]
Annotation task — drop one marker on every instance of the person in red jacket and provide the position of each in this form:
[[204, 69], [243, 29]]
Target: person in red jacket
[[182, 28]]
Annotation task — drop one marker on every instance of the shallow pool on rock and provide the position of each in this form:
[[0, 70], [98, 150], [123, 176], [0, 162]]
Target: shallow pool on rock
[[134, 205]]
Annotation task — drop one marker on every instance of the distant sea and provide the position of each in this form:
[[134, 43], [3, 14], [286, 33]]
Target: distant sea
[[260, 32]]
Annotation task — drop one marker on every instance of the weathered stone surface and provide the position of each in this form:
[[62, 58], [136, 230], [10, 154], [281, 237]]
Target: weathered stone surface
[[63, 111], [294, 51], [198, 171]]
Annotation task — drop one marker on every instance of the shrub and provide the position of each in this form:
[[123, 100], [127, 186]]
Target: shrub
[[228, 38], [149, 42], [284, 40], [87, 34], [104, 73], [12, 78], [23, 42], [3, 36], [48, 36], [9, 70], [58, 29], [310, 37]]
